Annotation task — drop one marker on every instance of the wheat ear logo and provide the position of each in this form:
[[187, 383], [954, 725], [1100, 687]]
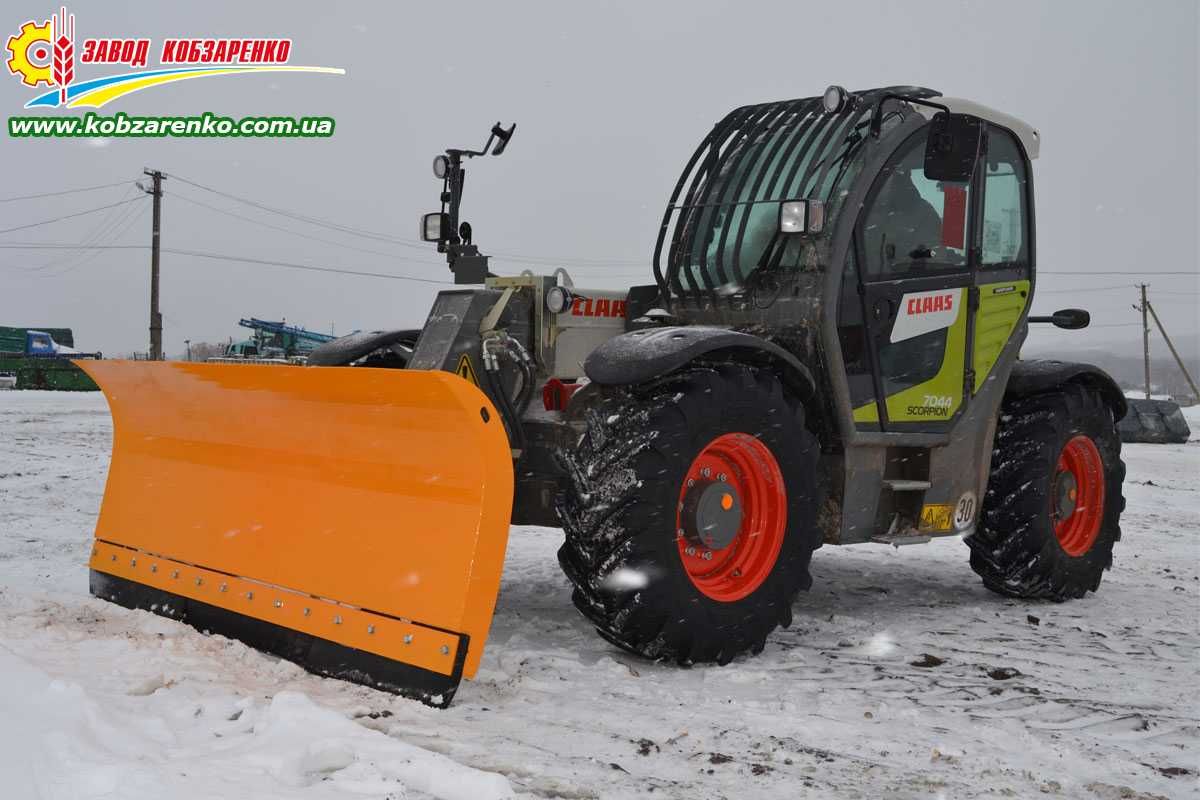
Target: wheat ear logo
[[63, 66]]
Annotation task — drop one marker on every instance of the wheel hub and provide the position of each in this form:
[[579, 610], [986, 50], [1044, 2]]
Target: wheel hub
[[1077, 496], [1066, 493], [712, 514], [732, 517]]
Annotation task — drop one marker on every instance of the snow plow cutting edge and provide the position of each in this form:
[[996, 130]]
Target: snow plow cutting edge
[[352, 521]]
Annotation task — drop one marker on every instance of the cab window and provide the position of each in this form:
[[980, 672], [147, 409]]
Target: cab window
[[914, 225], [1005, 234]]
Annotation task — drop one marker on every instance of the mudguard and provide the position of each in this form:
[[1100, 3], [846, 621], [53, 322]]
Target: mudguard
[[1041, 375], [351, 520], [347, 349], [642, 355]]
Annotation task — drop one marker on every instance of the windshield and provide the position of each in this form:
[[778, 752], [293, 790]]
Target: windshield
[[730, 226], [725, 227]]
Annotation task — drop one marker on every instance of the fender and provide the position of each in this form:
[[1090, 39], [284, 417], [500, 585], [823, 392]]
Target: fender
[[642, 355], [347, 349], [1040, 375]]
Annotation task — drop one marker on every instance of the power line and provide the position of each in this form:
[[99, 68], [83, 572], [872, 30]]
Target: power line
[[240, 218], [68, 216], [334, 242], [388, 238], [307, 267], [199, 254], [1089, 289], [96, 235], [63, 246], [58, 194], [337, 226], [1120, 272], [137, 213]]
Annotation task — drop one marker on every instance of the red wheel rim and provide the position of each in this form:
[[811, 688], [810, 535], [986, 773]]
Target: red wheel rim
[[747, 466], [1078, 525]]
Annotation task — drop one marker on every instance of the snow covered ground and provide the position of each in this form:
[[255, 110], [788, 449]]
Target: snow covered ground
[[902, 676]]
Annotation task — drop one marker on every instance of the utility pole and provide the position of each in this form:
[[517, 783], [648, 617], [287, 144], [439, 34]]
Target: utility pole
[[156, 176], [1178, 360], [1145, 340], [188, 344]]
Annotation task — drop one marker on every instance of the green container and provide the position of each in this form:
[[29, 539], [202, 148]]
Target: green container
[[47, 373]]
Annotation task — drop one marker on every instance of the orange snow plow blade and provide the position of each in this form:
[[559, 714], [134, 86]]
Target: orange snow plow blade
[[352, 520]]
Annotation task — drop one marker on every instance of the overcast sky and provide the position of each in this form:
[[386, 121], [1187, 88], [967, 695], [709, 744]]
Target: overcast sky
[[610, 100]]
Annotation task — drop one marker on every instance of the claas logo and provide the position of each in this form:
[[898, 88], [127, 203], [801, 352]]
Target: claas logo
[[45, 53], [927, 305], [598, 307]]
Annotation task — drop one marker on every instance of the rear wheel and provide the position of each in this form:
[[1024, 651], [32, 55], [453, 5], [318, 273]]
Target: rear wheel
[[1051, 515], [690, 514]]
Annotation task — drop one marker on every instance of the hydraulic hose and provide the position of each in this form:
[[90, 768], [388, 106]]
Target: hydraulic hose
[[495, 345]]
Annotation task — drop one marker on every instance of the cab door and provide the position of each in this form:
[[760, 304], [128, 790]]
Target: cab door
[[913, 265]]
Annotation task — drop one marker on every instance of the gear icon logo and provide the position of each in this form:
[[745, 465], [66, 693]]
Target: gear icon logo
[[29, 54]]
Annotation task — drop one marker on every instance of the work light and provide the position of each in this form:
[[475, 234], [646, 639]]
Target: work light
[[558, 299], [441, 165], [834, 99], [433, 226], [801, 216]]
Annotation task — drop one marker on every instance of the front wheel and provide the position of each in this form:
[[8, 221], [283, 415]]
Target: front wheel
[[690, 514], [1052, 512]]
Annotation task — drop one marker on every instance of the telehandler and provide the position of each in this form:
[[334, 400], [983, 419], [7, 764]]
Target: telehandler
[[828, 354]]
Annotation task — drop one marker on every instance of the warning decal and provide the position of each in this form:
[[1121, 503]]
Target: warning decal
[[936, 517], [465, 370]]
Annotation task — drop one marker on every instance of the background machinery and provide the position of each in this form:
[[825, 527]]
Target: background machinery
[[828, 354], [275, 340]]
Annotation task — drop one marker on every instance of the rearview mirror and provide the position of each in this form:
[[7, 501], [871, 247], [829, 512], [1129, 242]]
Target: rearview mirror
[[952, 147], [1071, 319], [503, 135]]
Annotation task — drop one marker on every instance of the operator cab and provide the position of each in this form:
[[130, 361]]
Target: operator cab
[[936, 272], [890, 214]]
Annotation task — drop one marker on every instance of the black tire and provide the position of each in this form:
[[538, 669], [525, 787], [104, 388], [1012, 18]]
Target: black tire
[[345, 350], [618, 512], [1015, 549]]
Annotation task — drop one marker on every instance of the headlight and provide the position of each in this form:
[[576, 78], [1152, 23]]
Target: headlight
[[441, 165], [801, 216], [792, 216], [558, 299], [433, 226]]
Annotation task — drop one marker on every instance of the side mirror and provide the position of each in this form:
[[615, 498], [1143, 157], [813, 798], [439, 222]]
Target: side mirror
[[1071, 319], [503, 136], [953, 147]]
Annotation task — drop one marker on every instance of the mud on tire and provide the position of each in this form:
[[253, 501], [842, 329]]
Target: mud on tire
[[619, 509], [1015, 549]]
